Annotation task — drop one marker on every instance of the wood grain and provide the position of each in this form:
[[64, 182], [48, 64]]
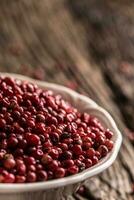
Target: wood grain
[[87, 45]]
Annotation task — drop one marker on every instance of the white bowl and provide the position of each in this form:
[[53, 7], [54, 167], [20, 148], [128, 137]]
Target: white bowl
[[83, 103]]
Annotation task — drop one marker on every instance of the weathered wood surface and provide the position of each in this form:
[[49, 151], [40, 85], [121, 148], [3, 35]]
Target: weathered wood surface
[[87, 45]]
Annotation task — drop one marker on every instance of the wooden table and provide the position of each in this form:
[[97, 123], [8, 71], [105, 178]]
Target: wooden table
[[85, 45]]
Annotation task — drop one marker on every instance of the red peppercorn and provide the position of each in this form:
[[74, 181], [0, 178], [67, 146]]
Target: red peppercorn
[[31, 177], [60, 173], [92, 135], [19, 161], [37, 153], [41, 175], [30, 88], [63, 146], [109, 144], [31, 168], [40, 118], [2, 123], [2, 155], [3, 135], [46, 159], [77, 150], [40, 128], [47, 146], [18, 152], [60, 118], [108, 134], [42, 138], [16, 114], [69, 117], [86, 145], [53, 165], [20, 179], [9, 163], [90, 153], [88, 162], [73, 170], [77, 141], [68, 141], [1, 178], [97, 154], [54, 138], [66, 155], [100, 139], [94, 160], [9, 81], [12, 142], [33, 140], [22, 144], [103, 150], [54, 153], [82, 191], [3, 172], [30, 123], [82, 166], [87, 139], [21, 169], [3, 144], [39, 167], [68, 163], [81, 157], [9, 178]]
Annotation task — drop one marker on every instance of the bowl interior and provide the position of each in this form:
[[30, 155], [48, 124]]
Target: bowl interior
[[83, 104]]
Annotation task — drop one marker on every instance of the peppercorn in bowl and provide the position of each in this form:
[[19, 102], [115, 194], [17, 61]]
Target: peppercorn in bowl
[[50, 137]]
